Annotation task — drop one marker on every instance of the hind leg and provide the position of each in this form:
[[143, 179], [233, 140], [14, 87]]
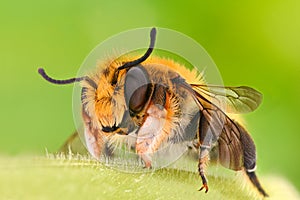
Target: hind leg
[[203, 161], [206, 138]]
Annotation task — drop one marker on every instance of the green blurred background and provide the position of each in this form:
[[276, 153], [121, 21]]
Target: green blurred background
[[253, 43]]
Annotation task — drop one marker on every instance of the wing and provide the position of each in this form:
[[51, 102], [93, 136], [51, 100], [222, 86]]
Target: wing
[[230, 149], [241, 99], [235, 146], [236, 149], [216, 128]]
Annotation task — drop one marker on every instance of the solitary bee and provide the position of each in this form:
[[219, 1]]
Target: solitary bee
[[163, 102]]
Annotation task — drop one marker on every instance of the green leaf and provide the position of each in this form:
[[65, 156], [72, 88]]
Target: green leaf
[[79, 177]]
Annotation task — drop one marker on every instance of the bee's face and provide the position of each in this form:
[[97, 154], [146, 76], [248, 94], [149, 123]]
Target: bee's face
[[104, 101]]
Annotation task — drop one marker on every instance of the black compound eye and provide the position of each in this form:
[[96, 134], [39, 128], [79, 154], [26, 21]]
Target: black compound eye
[[108, 129], [137, 89]]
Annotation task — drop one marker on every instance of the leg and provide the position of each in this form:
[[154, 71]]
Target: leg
[[206, 136], [151, 134], [94, 139], [203, 161], [157, 126]]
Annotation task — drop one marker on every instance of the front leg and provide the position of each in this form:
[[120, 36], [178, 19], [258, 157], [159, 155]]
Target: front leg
[[151, 134], [159, 121]]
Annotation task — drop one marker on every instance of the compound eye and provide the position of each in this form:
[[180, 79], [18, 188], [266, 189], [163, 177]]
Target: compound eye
[[137, 89]]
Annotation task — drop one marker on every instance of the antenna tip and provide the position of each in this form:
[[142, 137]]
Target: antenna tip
[[41, 71], [153, 32]]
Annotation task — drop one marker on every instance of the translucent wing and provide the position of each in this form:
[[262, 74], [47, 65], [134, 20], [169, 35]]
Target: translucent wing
[[216, 128], [230, 150], [241, 99], [235, 148]]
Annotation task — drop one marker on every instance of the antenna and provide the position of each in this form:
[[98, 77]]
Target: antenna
[[66, 81], [145, 56]]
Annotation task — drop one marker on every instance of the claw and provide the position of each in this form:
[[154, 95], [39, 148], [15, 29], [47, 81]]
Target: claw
[[204, 186], [148, 166], [147, 162]]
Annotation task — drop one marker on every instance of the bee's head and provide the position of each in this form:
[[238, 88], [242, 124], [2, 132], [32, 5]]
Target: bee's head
[[103, 92], [103, 99]]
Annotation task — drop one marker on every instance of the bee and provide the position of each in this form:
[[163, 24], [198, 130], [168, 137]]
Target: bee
[[162, 102]]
